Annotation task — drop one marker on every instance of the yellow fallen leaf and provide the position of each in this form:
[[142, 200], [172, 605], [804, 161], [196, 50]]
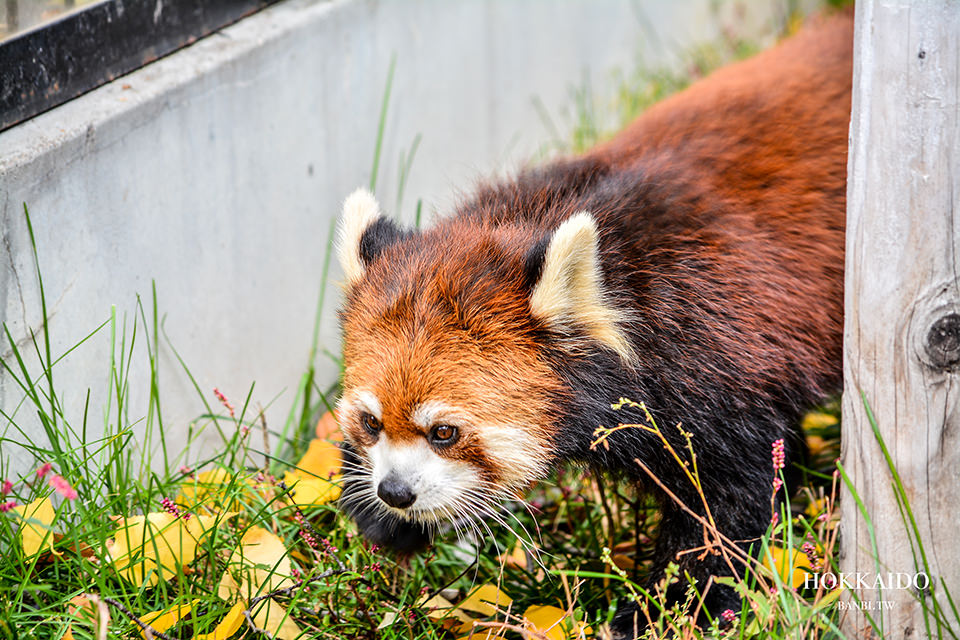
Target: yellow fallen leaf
[[486, 600], [388, 619], [36, 535], [261, 563], [165, 618], [311, 482], [439, 608], [322, 459], [816, 507], [155, 545], [789, 565], [816, 444], [818, 420], [554, 623], [216, 489], [228, 625], [271, 617], [517, 557], [307, 491]]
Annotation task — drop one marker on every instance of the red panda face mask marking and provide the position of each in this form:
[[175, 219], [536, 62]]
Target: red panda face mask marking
[[447, 398]]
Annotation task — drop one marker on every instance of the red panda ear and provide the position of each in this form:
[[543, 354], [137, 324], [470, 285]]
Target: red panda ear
[[363, 234], [569, 291]]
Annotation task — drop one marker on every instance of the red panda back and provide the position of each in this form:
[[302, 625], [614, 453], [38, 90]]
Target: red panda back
[[770, 131]]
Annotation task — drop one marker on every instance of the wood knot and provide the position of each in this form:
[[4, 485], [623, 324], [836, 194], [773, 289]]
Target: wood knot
[[942, 345]]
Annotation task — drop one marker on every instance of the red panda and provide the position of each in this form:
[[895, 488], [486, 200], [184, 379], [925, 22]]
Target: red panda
[[693, 262]]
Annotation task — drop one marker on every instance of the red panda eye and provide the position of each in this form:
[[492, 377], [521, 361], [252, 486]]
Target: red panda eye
[[371, 424], [443, 435]]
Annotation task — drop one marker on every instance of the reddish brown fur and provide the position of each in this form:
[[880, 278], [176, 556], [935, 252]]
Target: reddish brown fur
[[765, 141], [721, 219], [443, 332]]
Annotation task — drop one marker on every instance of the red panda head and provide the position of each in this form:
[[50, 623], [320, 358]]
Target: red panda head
[[449, 397]]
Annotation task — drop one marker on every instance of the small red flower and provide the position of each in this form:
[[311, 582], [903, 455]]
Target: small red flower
[[810, 550], [7, 506], [44, 470], [60, 484], [223, 400], [305, 532], [7, 488], [171, 507], [779, 455]]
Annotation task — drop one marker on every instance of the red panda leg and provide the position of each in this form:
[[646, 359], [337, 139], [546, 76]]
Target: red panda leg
[[679, 533]]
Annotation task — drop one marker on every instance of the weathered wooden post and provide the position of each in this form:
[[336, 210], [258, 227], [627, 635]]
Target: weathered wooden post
[[902, 334]]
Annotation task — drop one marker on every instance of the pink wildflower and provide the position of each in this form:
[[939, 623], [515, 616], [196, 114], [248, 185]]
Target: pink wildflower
[[7, 488], [171, 507], [728, 616], [775, 519], [7, 506], [223, 400], [60, 484], [779, 455], [305, 532], [328, 546], [185, 470], [810, 550], [44, 470], [777, 483]]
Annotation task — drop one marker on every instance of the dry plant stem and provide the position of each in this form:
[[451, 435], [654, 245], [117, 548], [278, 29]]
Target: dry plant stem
[[526, 634], [701, 598], [147, 629], [288, 591], [831, 539], [285, 591], [266, 439], [253, 627], [724, 548], [636, 537], [606, 510]]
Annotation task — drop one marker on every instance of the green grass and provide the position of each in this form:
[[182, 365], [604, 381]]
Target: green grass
[[590, 120], [587, 539]]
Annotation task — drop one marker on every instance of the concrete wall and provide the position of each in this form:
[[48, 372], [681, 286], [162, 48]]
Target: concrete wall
[[216, 172]]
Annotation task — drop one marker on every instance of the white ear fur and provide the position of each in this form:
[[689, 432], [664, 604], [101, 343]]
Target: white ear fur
[[360, 210], [570, 289]]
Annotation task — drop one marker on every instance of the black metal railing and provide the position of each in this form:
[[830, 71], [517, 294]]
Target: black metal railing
[[82, 47]]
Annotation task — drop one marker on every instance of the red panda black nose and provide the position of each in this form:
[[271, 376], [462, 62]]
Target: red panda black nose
[[395, 492]]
